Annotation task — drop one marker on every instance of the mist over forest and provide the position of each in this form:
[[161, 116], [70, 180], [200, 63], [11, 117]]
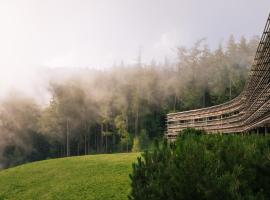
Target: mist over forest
[[121, 108]]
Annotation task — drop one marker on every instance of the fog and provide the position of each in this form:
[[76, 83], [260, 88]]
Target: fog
[[41, 35]]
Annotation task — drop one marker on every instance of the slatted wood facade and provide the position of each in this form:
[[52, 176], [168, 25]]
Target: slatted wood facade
[[251, 109]]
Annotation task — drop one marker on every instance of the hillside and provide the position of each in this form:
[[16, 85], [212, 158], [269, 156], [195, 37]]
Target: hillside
[[85, 177]]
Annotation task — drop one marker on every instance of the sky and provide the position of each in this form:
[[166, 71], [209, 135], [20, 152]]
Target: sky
[[38, 34]]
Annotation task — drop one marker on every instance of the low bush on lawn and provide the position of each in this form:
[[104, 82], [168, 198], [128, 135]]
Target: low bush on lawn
[[200, 166]]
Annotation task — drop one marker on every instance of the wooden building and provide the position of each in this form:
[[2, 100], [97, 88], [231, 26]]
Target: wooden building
[[249, 111]]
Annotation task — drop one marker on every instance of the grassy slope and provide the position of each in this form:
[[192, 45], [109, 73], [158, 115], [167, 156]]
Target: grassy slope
[[86, 177]]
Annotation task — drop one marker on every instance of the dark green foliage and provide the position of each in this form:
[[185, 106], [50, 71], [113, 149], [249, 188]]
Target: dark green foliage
[[13, 155], [141, 142], [40, 147], [200, 166], [40, 150], [144, 140]]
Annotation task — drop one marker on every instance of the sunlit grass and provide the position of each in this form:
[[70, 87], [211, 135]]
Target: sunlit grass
[[86, 177]]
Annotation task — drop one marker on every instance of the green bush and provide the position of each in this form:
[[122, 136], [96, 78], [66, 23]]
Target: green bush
[[141, 142], [136, 145], [200, 166]]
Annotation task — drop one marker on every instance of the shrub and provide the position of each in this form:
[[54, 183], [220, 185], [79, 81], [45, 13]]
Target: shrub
[[141, 142], [136, 145], [144, 140], [200, 166]]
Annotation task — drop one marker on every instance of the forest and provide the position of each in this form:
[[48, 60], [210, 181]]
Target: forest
[[122, 108]]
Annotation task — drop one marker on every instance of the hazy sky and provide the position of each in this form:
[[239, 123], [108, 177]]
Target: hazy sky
[[99, 33]]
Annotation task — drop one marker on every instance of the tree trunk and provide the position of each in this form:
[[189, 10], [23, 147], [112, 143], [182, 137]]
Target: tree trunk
[[204, 98], [85, 138], [137, 121], [96, 140], [113, 143], [101, 138], [68, 152], [127, 123], [85, 142], [175, 102], [88, 141], [230, 89], [59, 151], [106, 138], [78, 148], [127, 143], [64, 150]]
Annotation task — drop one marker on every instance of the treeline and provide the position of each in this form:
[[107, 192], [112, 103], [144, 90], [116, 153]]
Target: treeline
[[121, 108]]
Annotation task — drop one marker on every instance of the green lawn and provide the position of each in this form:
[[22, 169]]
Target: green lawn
[[101, 177]]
